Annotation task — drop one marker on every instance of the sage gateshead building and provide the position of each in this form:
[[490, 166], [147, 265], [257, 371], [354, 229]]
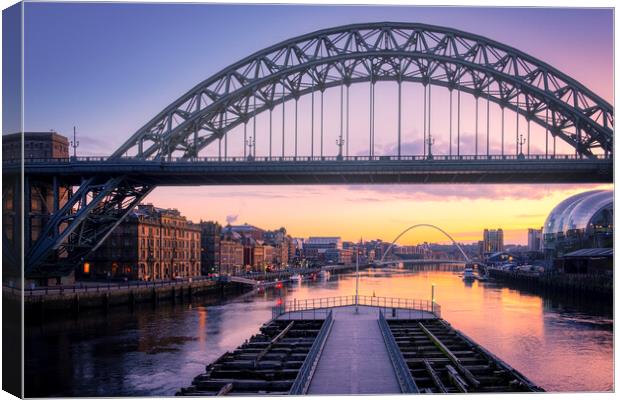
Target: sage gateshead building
[[582, 221]]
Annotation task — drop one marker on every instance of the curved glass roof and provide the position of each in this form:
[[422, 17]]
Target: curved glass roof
[[577, 211]]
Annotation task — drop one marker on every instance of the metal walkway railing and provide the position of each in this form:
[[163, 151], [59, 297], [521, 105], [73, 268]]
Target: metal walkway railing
[[384, 303], [403, 374], [304, 377]]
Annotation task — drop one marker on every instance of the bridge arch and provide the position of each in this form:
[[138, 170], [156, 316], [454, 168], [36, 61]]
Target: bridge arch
[[427, 226], [372, 52]]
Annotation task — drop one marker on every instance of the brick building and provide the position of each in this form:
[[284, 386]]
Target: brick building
[[40, 206], [150, 244], [36, 145], [231, 256]]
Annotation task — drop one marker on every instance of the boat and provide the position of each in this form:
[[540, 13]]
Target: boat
[[481, 278], [324, 274], [469, 273], [296, 277]]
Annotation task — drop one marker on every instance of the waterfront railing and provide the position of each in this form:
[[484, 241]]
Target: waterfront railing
[[403, 373], [385, 303], [304, 377], [103, 287]]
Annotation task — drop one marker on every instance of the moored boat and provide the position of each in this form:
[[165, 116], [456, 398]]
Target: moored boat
[[468, 274]]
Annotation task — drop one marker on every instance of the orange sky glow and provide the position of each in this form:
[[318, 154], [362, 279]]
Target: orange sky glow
[[376, 212]]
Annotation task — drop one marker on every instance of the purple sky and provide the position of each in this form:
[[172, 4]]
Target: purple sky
[[109, 68]]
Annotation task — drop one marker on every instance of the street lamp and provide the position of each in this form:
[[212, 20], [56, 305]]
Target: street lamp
[[340, 143], [430, 141], [251, 143], [521, 141], [357, 275], [75, 144], [433, 297]]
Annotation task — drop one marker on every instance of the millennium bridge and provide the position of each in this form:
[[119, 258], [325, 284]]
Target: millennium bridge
[[197, 139]]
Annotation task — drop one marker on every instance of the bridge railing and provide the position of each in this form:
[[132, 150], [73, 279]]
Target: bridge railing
[[403, 374], [304, 377], [385, 303], [104, 286], [217, 159]]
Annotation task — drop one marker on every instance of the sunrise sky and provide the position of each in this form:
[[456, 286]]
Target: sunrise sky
[[109, 68]]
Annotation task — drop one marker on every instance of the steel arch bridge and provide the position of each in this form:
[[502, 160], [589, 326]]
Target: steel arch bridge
[[446, 234], [167, 149], [385, 51]]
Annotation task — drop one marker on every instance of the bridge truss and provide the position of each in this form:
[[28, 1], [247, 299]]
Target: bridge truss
[[340, 57], [401, 52]]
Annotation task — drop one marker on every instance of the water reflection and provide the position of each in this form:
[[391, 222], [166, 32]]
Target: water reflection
[[560, 344]]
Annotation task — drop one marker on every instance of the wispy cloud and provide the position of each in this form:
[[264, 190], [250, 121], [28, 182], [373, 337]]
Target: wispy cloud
[[461, 192]]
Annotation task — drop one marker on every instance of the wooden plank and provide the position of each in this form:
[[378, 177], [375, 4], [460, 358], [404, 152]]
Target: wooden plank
[[227, 388], [246, 384], [273, 341], [456, 379], [435, 377], [468, 375]]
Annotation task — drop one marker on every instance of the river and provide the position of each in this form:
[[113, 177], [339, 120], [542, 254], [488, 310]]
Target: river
[[560, 344]]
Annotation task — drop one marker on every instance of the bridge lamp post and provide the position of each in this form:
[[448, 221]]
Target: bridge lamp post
[[340, 143], [521, 141], [251, 143], [75, 144], [430, 141]]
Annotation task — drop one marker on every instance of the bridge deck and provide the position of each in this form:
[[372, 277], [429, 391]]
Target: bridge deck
[[355, 359], [287, 172]]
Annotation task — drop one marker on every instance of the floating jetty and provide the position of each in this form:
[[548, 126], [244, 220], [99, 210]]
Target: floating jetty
[[363, 345]]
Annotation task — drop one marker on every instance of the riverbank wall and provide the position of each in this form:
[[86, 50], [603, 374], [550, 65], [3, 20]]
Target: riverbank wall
[[70, 302], [75, 299], [579, 285]]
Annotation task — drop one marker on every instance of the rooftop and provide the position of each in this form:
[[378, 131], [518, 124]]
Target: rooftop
[[35, 136], [577, 211], [596, 252]]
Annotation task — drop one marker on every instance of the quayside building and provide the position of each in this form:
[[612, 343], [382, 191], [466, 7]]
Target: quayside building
[[579, 223]]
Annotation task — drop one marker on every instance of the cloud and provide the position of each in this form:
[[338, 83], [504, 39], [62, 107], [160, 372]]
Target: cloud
[[231, 219], [243, 192], [441, 145], [452, 192], [526, 216], [382, 193], [93, 146]]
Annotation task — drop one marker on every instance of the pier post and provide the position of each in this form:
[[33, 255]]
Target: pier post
[[433, 298], [76, 304], [106, 302], [132, 300], [41, 308], [154, 296]]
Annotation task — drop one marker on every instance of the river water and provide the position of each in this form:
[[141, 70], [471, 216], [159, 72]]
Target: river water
[[560, 344]]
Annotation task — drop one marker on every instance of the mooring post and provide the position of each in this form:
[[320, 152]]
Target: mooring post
[[132, 300], [433, 298], [76, 304]]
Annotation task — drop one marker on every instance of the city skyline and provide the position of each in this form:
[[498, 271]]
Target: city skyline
[[526, 217]]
